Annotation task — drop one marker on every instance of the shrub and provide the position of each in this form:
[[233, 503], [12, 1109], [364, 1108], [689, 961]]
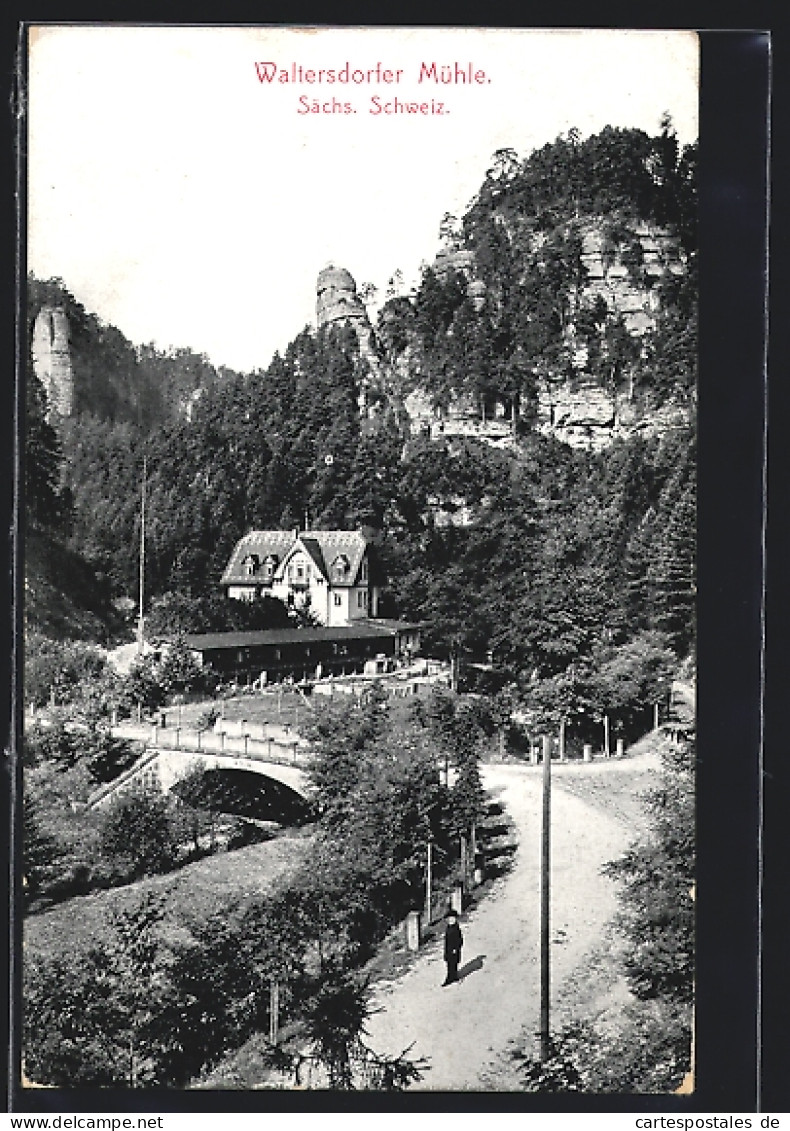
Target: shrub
[[137, 833]]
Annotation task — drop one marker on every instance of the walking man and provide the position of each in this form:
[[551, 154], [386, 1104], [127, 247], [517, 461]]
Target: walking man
[[453, 941]]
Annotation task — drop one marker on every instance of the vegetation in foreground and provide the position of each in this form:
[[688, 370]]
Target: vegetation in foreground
[[147, 1006]]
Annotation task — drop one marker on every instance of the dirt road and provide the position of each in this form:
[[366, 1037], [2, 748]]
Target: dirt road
[[463, 1029]]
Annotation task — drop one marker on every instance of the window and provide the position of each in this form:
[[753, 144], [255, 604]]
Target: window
[[361, 598], [341, 567], [250, 565], [338, 600]]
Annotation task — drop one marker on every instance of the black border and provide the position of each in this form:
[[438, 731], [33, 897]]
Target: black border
[[733, 130]]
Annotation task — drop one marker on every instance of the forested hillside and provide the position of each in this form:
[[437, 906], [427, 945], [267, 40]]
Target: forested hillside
[[544, 555]]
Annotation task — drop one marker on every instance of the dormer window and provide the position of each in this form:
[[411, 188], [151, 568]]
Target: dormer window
[[341, 567], [269, 566], [250, 565]]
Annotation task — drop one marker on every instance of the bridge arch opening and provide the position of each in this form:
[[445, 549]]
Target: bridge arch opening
[[244, 793]]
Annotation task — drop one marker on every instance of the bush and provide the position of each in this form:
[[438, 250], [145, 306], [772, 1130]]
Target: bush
[[657, 878], [650, 1054], [137, 833], [56, 671]]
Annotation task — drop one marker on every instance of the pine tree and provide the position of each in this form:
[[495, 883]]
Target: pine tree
[[673, 574]]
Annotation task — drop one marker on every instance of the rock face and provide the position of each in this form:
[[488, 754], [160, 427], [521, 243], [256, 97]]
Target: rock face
[[623, 266], [52, 360], [337, 299], [623, 272], [337, 302], [584, 415]]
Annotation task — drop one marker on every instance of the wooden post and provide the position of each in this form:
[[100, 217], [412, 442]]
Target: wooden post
[[413, 930], [606, 736], [428, 883], [545, 883], [562, 741], [655, 716], [274, 1010]]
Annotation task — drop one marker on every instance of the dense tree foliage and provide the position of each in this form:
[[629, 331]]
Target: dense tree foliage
[[657, 877]]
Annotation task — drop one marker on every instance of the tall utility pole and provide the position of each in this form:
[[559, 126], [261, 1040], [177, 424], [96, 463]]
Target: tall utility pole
[[545, 891], [140, 621]]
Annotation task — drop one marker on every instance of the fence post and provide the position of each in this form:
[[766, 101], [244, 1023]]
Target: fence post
[[413, 930], [620, 747], [274, 1010], [428, 883], [587, 753], [606, 748]]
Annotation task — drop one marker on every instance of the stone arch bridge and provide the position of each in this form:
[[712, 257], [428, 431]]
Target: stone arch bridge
[[285, 792]]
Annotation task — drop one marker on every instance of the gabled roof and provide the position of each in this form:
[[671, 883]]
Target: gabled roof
[[322, 546], [333, 543], [308, 544], [260, 542]]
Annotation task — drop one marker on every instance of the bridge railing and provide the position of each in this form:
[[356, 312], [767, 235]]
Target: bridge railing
[[272, 749]]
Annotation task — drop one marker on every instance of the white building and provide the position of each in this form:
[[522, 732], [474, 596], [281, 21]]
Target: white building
[[326, 571]]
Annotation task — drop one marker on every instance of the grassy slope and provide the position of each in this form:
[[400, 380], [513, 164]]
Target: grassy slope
[[197, 890]]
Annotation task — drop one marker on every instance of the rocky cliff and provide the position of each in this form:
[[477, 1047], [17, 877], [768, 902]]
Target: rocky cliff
[[52, 360]]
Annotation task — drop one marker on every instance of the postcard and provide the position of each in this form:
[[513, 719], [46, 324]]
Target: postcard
[[360, 561]]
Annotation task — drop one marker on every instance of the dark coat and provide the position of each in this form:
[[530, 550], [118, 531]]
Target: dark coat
[[453, 940]]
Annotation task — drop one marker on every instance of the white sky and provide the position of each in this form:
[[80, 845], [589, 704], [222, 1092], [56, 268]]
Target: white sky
[[188, 204]]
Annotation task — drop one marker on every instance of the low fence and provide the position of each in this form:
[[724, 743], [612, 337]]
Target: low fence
[[278, 748]]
